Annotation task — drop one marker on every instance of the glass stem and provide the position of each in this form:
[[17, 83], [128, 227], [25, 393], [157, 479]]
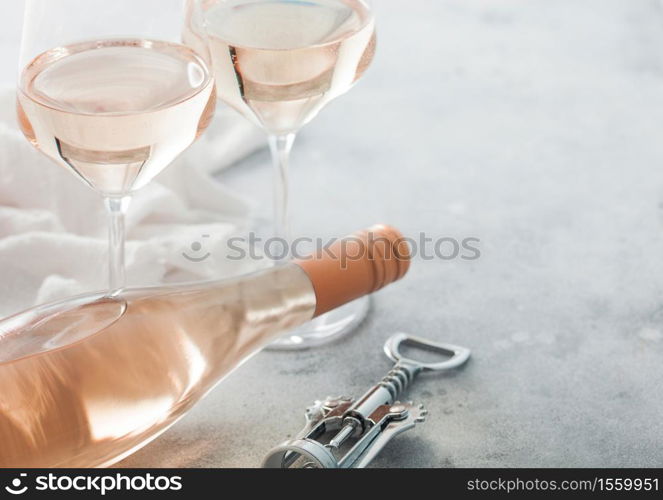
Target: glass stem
[[280, 146], [116, 207]]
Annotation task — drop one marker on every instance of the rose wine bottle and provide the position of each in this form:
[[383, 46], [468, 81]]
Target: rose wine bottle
[[88, 381]]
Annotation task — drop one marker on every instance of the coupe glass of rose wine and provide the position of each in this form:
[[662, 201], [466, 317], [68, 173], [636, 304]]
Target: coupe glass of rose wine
[[279, 62], [109, 93]]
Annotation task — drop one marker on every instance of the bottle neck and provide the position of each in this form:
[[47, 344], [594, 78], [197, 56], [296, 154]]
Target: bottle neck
[[288, 295], [274, 301]]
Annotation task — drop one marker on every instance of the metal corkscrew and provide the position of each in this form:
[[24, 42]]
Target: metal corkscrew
[[360, 429]]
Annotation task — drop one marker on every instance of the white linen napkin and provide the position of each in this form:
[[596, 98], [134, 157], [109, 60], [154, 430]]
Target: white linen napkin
[[53, 227]]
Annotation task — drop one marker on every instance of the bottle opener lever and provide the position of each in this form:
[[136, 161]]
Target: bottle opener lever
[[342, 432]]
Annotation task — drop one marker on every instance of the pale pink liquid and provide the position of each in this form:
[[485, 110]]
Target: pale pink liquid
[[86, 383], [115, 112], [280, 62]]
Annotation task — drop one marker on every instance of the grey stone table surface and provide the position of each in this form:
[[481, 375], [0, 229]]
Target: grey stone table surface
[[534, 126]]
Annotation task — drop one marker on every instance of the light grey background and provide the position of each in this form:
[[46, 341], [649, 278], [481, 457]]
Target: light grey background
[[534, 126], [11, 22]]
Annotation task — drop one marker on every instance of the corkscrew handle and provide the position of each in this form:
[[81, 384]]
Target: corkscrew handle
[[392, 348], [362, 414], [406, 369]]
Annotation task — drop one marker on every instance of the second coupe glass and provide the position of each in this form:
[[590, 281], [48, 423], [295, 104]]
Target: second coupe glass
[[279, 62]]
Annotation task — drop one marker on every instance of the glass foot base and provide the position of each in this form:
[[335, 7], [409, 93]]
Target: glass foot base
[[325, 328]]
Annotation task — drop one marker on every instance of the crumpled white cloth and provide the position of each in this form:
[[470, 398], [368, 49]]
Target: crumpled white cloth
[[53, 228]]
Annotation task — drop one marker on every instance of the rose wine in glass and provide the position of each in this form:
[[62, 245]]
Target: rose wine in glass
[[278, 63], [113, 110]]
